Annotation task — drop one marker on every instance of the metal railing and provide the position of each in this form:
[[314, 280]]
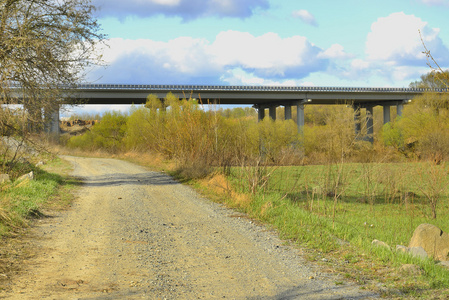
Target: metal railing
[[243, 88]]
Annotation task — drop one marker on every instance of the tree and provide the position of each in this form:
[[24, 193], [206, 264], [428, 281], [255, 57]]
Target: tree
[[432, 80], [45, 47]]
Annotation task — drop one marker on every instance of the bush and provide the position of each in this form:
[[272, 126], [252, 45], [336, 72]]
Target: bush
[[423, 130], [107, 134]]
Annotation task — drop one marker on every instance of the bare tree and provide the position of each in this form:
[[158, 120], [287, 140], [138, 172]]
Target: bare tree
[[437, 78], [45, 47]]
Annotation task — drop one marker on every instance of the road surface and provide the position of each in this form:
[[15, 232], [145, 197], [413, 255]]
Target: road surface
[[137, 234]]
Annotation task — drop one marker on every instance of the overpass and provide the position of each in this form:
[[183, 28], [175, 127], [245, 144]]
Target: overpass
[[262, 98]]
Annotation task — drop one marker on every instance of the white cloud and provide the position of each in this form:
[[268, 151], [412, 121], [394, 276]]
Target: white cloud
[[394, 50], [186, 9], [305, 16], [238, 76], [187, 60], [396, 40], [166, 2], [268, 54], [336, 51]]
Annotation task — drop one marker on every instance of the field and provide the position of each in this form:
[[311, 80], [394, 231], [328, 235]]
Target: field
[[338, 210]]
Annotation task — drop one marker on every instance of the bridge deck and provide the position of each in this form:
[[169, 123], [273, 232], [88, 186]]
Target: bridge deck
[[253, 95]]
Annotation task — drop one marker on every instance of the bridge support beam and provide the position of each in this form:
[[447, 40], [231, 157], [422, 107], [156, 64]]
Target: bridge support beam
[[369, 124], [288, 112], [400, 109], [300, 116], [387, 114], [260, 113], [272, 112], [52, 123], [357, 122]]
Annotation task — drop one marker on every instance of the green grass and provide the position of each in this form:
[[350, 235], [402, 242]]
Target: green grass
[[20, 202], [338, 210]]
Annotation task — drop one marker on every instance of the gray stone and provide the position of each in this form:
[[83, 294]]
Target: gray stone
[[400, 248], [418, 252], [378, 243], [443, 264]]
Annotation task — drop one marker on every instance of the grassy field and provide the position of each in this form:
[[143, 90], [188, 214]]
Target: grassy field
[[339, 209]]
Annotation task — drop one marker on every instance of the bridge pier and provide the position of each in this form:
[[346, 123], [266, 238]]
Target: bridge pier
[[260, 112], [52, 123], [357, 121], [272, 112], [369, 119], [288, 112], [300, 116], [369, 124], [400, 109], [387, 113]]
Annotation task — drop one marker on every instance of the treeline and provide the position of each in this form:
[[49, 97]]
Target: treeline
[[198, 139]]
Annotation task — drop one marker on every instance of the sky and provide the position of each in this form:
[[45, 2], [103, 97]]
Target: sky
[[340, 43]]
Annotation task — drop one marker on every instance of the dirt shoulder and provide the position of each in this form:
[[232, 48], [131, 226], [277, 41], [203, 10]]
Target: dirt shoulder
[[137, 234]]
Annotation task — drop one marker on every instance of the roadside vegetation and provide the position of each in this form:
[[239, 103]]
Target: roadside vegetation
[[24, 198], [327, 190]]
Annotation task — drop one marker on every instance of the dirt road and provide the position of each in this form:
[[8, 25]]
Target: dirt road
[[136, 234]]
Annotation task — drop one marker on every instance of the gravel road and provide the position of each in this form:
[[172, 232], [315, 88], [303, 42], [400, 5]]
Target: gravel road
[[137, 234]]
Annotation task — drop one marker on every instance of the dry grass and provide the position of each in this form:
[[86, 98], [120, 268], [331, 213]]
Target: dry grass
[[219, 184]]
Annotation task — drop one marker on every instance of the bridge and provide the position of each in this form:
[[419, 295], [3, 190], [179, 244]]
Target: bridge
[[262, 98]]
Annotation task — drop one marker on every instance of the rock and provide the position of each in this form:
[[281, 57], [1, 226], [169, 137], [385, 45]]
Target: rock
[[41, 163], [400, 248], [29, 176], [4, 178], [418, 252], [25, 179], [414, 251], [378, 243], [411, 269], [443, 264], [433, 240]]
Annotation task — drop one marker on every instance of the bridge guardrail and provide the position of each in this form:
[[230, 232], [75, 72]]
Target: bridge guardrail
[[149, 87]]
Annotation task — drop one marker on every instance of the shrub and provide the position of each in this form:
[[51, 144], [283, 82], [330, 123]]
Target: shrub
[[107, 134]]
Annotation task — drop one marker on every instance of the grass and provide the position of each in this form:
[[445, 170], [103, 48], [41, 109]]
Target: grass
[[21, 201], [337, 210]]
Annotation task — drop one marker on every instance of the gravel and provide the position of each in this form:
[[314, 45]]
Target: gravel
[[137, 234]]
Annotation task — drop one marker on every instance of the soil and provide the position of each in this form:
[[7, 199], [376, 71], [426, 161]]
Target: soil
[[138, 234]]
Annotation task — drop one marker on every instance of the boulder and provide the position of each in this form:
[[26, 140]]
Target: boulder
[[433, 240]]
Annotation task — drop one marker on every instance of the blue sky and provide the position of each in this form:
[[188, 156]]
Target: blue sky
[[271, 42]]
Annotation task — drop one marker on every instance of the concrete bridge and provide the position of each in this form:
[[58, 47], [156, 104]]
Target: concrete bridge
[[262, 98]]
